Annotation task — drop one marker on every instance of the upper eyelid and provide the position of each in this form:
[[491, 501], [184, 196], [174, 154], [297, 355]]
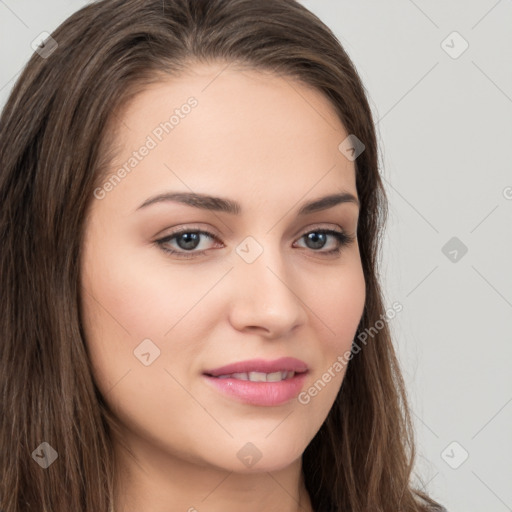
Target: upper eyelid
[[206, 232]]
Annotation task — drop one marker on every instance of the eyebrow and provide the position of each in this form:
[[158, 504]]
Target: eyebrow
[[219, 204]]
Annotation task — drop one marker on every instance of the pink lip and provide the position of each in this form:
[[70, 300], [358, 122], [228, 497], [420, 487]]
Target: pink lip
[[260, 393], [289, 364]]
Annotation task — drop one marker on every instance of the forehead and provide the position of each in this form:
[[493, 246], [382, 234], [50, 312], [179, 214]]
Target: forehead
[[247, 129]]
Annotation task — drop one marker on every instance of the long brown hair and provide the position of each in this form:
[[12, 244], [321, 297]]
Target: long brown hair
[[54, 147]]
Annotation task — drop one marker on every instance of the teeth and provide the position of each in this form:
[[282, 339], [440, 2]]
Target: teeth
[[260, 376], [257, 377], [276, 376], [240, 376]]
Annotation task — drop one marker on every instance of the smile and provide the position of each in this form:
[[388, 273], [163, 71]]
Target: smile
[[259, 376]]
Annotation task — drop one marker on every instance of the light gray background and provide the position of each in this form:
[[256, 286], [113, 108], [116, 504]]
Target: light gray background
[[445, 128]]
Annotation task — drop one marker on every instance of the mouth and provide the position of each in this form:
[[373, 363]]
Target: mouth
[[259, 376], [259, 382]]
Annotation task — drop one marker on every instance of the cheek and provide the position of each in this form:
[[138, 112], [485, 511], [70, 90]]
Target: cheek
[[341, 306], [143, 299], [127, 309], [337, 313], [127, 302]]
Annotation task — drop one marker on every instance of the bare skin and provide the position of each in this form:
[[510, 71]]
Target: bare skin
[[271, 145]]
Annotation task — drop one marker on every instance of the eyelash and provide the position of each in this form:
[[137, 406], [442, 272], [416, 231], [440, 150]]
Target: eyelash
[[343, 240]]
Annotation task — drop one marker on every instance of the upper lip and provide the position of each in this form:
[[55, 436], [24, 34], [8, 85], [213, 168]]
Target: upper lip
[[290, 364]]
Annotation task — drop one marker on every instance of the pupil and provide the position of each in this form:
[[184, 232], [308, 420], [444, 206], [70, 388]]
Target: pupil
[[318, 239], [191, 240]]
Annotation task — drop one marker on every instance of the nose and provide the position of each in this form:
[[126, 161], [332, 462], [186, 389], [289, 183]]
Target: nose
[[265, 298]]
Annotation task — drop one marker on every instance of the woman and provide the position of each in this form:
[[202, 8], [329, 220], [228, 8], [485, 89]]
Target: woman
[[191, 316]]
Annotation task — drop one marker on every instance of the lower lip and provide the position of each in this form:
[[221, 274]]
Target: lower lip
[[260, 393]]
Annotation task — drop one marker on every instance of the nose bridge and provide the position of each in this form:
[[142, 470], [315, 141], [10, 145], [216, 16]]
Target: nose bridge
[[262, 260], [265, 297]]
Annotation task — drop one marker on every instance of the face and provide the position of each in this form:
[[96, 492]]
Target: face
[[172, 292]]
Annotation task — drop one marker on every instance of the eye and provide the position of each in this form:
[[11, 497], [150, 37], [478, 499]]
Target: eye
[[318, 237], [186, 241]]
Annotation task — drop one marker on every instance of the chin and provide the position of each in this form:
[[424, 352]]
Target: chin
[[259, 455]]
